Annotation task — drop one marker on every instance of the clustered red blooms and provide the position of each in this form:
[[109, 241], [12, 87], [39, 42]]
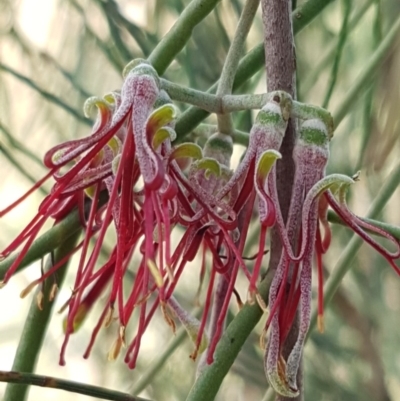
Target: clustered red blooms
[[141, 186]]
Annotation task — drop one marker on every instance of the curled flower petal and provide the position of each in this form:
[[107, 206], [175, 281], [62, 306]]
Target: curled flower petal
[[160, 117], [211, 166], [161, 135], [186, 150]]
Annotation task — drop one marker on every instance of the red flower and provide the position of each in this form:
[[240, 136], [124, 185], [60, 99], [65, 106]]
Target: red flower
[[307, 209]]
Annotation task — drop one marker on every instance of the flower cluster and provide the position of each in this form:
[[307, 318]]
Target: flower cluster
[[290, 293], [144, 188]]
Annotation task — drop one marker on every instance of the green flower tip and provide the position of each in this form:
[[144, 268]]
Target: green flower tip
[[219, 143], [266, 161], [211, 166], [276, 112], [336, 183], [315, 132], [162, 116], [140, 67], [187, 150], [93, 102], [161, 135], [110, 97]]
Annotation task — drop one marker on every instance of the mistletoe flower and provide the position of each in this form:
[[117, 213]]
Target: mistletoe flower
[[248, 180], [256, 169], [310, 155], [141, 215], [308, 206], [204, 217], [68, 192], [130, 141], [210, 174]]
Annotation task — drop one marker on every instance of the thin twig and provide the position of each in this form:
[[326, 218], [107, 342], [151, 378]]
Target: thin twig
[[250, 64], [36, 323], [280, 64], [364, 78], [339, 50], [227, 78], [175, 40], [60, 384]]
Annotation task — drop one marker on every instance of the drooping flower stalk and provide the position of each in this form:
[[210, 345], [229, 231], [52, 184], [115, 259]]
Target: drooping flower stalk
[[266, 135], [138, 96], [218, 149], [291, 287], [130, 140], [248, 180], [310, 155]]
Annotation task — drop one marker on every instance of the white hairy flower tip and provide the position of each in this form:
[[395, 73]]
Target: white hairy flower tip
[[272, 107], [316, 124]]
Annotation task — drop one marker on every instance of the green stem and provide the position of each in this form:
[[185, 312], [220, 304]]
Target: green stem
[[213, 103], [175, 40], [231, 342], [364, 79], [306, 12], [342, 40], [346, 258], [51, 239], [250, 64], [312, 76], [36, 324], [367, 114], [142, 37], [179, 93], [115, 32], [46, 243], [74, 387], [228, 73], [105, 47], [16, 144], [225, 85]]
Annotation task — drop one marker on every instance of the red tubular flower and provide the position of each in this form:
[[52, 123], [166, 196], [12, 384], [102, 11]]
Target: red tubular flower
[[307, 208], [130, 140], [253, 173], [129, 160], [248, 180], [310, 160]]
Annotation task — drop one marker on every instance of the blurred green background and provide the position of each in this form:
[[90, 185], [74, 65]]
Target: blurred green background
[[55, 54]]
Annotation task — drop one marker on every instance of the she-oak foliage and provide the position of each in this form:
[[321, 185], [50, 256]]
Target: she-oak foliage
[[146, 189]]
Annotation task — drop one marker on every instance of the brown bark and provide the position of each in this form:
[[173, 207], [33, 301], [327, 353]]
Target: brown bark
[[280, 66]]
